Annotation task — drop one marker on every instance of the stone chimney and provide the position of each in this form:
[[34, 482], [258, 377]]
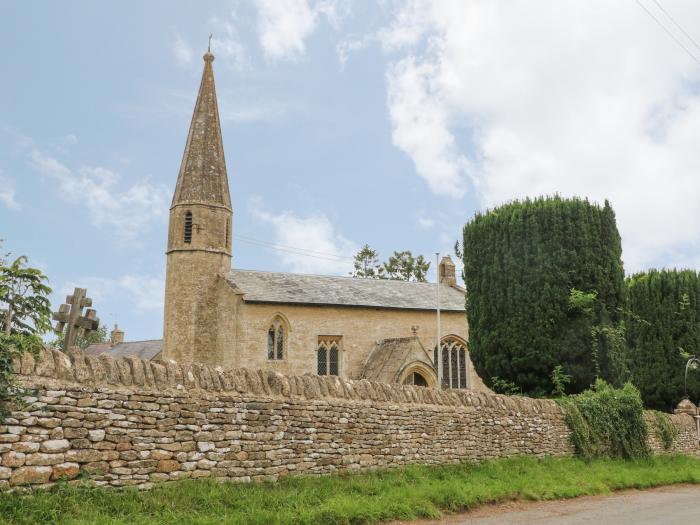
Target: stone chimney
[[446, 271], [116, 336]]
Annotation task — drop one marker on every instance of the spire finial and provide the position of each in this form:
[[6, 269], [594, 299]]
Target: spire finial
[[208, 57]]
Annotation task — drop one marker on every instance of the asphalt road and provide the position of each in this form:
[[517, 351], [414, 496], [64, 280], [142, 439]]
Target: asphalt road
[[663, 506]]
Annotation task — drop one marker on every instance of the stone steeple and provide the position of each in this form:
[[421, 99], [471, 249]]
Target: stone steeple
[[199, 236], [202, 177]]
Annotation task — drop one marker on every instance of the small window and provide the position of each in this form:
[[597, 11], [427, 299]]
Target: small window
[[228, 232], [275, 340], [328, 356], [188, 227]]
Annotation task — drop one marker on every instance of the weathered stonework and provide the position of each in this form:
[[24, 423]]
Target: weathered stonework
[[134, 422]]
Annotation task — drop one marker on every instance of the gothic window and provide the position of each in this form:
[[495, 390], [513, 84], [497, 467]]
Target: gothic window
[[328, 356], [228, 232], [276, 339], [188, 227], [453, 358]]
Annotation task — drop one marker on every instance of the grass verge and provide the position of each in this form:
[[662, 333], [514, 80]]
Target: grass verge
[[405, 493]]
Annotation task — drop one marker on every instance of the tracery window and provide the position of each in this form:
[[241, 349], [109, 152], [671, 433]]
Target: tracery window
[[453, 359], [276, 338], [328, 356], [188, 227]]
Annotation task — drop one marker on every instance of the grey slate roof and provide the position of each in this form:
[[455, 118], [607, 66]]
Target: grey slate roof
[[143, 349], [294, 288]]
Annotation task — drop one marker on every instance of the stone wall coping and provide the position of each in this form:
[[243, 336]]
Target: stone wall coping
[[55, 369]]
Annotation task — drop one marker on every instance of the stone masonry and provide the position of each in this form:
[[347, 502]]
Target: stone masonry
[[134, 422]]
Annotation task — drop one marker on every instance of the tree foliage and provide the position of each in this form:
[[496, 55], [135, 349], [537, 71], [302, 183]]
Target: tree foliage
[[101, 335], [24, 298], [663, 331], [400, 266], [403, 266], [25, 314], [545, 288], [366, 263]]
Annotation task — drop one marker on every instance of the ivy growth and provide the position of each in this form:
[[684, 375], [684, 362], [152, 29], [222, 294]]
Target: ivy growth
[[607, 422], [664, 429]]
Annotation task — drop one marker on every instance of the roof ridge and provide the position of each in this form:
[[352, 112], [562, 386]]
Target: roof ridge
[[348, 277]]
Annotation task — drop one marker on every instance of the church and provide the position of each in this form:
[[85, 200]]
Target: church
[[376, 329]]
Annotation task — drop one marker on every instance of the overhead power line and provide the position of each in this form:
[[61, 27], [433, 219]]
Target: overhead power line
[[292, 249], [668, 32], [677, 24]]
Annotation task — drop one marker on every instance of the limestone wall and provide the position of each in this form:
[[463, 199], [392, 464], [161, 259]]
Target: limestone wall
[[131, 422]]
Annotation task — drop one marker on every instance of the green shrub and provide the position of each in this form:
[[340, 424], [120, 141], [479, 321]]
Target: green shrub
[[664, 429], [607, 422]]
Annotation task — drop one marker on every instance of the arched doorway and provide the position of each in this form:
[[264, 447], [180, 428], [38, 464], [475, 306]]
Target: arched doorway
[[417, 374], [415, 379]]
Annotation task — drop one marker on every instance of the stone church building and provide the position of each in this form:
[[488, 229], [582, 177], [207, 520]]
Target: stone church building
[[382, 330]]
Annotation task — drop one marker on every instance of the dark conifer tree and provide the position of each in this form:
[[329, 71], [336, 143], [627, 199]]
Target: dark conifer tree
[[663, 330], [521, 263]]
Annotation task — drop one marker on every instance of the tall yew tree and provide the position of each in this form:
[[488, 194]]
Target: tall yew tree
[[545, 287], [662, 332]]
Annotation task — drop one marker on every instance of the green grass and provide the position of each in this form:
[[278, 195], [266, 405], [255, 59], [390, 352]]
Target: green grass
[[406, 493]]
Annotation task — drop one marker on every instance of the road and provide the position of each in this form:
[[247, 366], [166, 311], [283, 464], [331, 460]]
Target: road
[[663, 506]]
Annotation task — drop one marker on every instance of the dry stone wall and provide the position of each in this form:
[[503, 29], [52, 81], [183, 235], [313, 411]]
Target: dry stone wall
[[134, 422]]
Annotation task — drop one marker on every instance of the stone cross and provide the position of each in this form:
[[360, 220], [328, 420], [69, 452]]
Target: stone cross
[[70, 317]]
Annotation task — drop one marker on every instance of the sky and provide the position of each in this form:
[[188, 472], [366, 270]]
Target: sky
[[344, 123]]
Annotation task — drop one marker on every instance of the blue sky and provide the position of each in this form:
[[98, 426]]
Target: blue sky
[[388, 123]]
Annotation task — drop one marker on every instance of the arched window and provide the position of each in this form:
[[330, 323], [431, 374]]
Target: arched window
[[454, 363], [276, 339], [227, 240], [328, 356], [188, 227]]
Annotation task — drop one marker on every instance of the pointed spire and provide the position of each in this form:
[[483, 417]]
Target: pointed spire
[[203, 177]]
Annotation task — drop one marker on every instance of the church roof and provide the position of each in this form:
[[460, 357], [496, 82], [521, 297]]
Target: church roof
[[143, 349], [202, 177], [294, 288], [389, 356]]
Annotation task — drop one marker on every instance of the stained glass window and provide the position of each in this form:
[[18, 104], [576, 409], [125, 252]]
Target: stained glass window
[[275, 339], [333, 360], [454, 363], [271, 343], [328, 355], [322, 360]]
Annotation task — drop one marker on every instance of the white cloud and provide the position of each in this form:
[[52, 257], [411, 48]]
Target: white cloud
[[182, 51], [308, 243], [420, 127], [126, 210], [588, 99], [285, 25], [8, 193]]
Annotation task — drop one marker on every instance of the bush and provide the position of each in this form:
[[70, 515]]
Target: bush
[[545, 287], [607, 422], [664, 429]]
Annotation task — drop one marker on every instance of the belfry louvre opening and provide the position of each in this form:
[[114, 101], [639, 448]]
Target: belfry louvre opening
[[188, 227]]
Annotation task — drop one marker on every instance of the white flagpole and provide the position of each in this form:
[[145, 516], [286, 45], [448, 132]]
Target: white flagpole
[[438, 331]]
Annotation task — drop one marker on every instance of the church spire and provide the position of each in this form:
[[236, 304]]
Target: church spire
[[202, 178]]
